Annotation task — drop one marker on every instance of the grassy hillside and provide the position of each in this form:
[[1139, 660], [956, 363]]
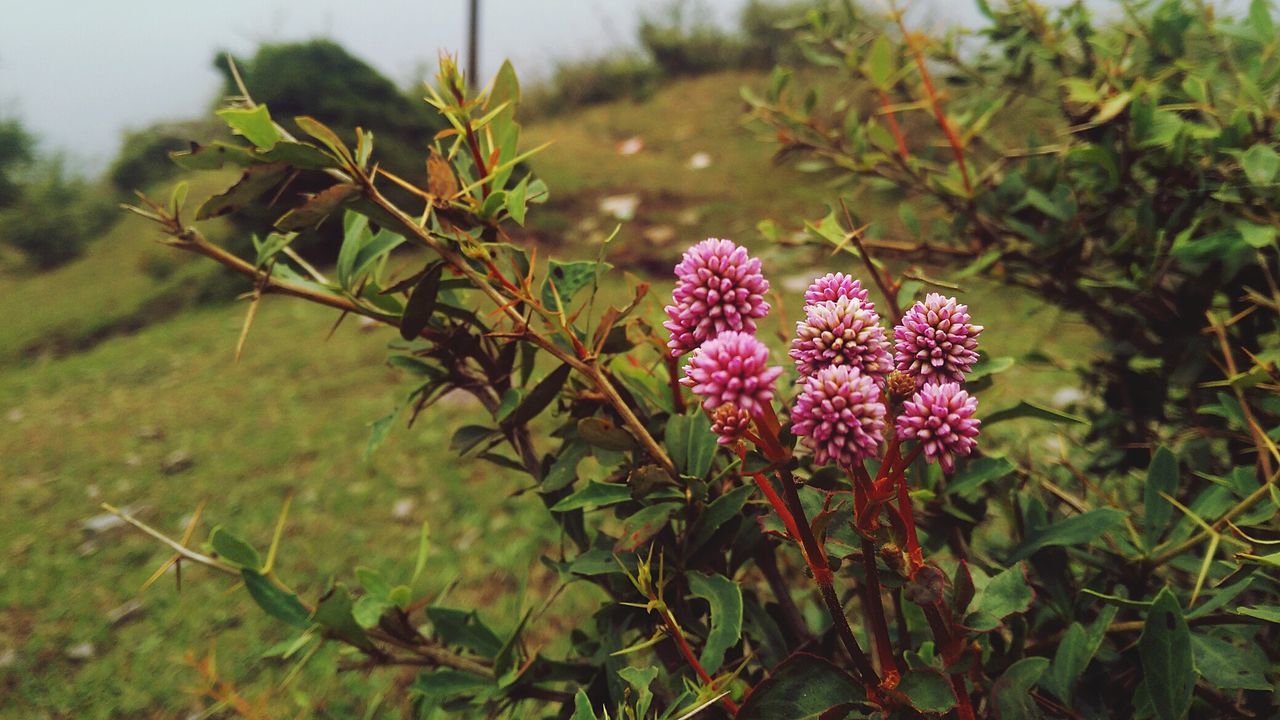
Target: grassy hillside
[[107, 395]]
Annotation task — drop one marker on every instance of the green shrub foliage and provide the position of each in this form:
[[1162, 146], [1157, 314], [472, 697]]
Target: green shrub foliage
[[1126, 171], [740, 579]]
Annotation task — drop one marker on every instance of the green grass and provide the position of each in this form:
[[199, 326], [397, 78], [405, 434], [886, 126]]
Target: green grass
[[93, 399]]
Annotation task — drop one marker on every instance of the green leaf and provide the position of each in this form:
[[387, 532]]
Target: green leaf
[[253, 183], [317, 208], [568, 278], [373, 251], [1077, 530], [1075, 652], [321, 132], [880, 62], [333, 613], [582, 707], [1260, 163], [368, 610], [1256, 236], [691, 443], [1011, 693], [565, 469], [421, 304], [928, 691], [606, 434], [517, 203], [539, 397], [720, 511], [1227, 666], [1004, 595], [725, 598], [640, 679], [277, 603], [1162, 477], [213, 156], [978, 472], [469, 437], [378, 431], [594, 495], [1028, 409], [424, 548], [233, 549], [637, 529], [443, 684], [1270, 613], [463, 629], [373, 582], [1168, 671], [803, 687], [252, 123]]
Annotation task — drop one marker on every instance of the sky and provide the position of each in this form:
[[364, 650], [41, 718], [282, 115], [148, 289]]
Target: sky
[[79, 73]]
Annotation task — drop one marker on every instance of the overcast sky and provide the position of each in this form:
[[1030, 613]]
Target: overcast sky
[[80, 72]]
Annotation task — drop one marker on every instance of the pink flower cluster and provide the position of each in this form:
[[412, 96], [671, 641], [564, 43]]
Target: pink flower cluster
[[841, 352], [718, 297], [719, 287]]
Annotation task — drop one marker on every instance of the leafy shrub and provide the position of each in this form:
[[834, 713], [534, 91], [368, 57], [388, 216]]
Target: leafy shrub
[[732, 543], [321, 79], [1135, 185], [54, 216], [579, 83], [16, 152]]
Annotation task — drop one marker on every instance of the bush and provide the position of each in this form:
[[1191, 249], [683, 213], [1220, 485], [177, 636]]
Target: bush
[[321, 79], [1125, 172], [731, 537], [54, 217]]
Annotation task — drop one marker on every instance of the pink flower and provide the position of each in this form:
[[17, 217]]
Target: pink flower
[[935, 342], [841, 332], [728, 423], [732, 369], [718, 287], [940, 417], [834, 286], [840, 416]]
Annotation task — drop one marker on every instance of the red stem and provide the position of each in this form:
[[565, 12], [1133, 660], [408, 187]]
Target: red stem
[[907, 512], [692, 659], [893, 125], [673, 381], [957, 148], [876, 618]]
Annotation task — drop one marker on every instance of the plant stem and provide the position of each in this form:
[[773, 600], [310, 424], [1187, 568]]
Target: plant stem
[[674, 630], [876, 617], [822, 576]]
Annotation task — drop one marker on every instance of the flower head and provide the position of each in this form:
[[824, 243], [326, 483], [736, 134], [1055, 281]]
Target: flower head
[[732, 369], [841, 332], [834, 286], [728, 423], [935, 342], [718, 287], [840, 415], [940, 417]]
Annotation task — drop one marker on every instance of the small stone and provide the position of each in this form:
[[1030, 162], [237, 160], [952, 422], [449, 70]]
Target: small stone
[[403, 508], [699, 161], [8, 659], [130, 610], [150, 432], [16, 415], [81, 652], [176, 462], [631, 146], [93, 491], [659, 234], [620, 207], [87, 548], [133, 460], [99, 524], [1067, 396], [689, 216]]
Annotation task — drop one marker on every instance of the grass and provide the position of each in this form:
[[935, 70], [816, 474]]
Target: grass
[[99, 386]]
